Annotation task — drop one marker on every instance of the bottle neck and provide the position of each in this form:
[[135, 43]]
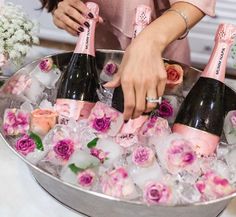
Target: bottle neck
[[137, 29], [85, 43], [216, 66]]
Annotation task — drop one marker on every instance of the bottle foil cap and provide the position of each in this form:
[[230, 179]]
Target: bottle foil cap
[[226, 33], [94, 9]]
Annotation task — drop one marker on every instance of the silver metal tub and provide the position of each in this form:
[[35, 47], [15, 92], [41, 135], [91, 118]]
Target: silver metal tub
[[95, 204]]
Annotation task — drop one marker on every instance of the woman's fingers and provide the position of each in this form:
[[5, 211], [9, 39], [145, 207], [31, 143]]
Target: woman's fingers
[[129, 99], [72, 16], [62, 25], [67, 21], [81, 7], [140, 101], [114, 83]]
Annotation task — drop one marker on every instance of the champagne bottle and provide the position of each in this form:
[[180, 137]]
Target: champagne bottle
[[142, 19], [77, 93], [201, 114]]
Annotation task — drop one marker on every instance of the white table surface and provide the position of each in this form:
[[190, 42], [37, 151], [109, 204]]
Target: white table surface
[[21, 196]]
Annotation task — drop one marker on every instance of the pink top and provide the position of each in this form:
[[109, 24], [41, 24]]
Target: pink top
[[117, 30]]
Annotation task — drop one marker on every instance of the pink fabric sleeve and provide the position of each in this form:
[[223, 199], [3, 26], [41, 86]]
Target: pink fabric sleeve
[[207, 6]]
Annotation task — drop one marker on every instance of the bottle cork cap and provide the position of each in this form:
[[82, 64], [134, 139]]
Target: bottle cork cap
[[143, 15], [94, 9], [226, 33]]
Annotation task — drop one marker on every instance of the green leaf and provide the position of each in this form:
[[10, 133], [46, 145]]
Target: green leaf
[[54, 66], [92, 143], [233, 131], [75, 169], [37, 140]]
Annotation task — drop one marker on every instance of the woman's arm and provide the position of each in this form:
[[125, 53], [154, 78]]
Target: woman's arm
[[142, 73]]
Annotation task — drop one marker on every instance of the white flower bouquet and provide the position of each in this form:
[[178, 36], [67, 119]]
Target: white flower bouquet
[[17, 34]]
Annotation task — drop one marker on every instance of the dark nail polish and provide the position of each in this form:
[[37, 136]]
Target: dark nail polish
[[90, 15], [126, 121], [87, 24], [78, 33], [81, 29]]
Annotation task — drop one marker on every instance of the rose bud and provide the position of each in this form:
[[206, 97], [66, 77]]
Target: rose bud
[[86, 178], [212, 186], [174, 74], [25, 145], [143, 156], [156, 193], [46, 65]]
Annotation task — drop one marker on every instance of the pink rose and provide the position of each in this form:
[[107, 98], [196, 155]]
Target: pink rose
[[117, 183], [99, 153], [174, 74], [165, 109], [86, 178], [110, 68], [102, 124], [15, 122], [105, 120], [64, 149], [155, 126], [212, 186], [25, 145], [46, 64], [233, 119], [180, 154], [157, 193], [17, 84], [143, 156]]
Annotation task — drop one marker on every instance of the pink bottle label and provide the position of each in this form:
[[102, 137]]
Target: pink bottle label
[[142, 19], [203, 142], [223, 41], [85, 43], [75, 109]]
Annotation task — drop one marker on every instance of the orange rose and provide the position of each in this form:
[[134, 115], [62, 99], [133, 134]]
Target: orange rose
[[42, 120], [174, 74]]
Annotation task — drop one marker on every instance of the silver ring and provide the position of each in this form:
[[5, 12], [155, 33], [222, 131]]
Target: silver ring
[[153, 100]]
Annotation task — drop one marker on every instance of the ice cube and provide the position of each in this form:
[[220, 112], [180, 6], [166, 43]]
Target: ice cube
[[176, 154], [142, 175], [222, 169], [105, 120], [80, 159], [112, 150], [105, 95], [117, 183], [36, 156], [34, 92], [108, 71], [230, 127], [27, 107], [187, 193], [45, 104], [47, 78], [175, 103]]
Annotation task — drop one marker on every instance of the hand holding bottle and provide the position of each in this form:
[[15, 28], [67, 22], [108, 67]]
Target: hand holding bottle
[[141, 74], [72, 15]]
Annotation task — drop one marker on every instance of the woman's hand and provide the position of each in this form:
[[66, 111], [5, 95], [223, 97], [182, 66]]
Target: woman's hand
[[72, 15], [141, 74]]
